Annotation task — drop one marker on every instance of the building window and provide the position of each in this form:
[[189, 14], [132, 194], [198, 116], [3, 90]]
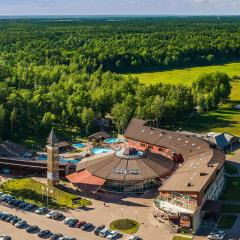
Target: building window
[[160, 149], [143, 145], [150, 147]]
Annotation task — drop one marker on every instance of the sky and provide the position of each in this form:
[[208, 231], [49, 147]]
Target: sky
[[119, 7]]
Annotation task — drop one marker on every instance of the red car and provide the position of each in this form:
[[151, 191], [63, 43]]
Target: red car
[[79, 224]]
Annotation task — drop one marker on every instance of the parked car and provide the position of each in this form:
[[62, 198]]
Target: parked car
[[56, 236], [133, 237], [44, 233], [98, 229], [21, 224], [5, 237], [79, 224], [104, 232], [16, 202], [30, 207], [86, 226], [112, 235], [15, 220], [57, 215], [67, 220], [50, 214], [217, 235], [67, 238], [33, 229], [72, 222], [9, 218], [22, 205], [3, 216], [42, 210]]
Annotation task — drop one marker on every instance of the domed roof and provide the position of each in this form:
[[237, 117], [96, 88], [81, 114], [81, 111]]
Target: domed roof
[[113, 167]]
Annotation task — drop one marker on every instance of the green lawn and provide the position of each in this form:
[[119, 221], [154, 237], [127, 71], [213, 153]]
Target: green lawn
[[125, 226], [30, 190], [227, 221], [232, 190], [188, 75], [225, 118]]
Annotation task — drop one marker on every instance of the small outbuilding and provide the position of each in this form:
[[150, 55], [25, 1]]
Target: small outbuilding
[[64, 146], [225, 141], [99, 136]]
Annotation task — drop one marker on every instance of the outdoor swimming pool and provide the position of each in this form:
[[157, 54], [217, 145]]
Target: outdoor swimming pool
[[114, 140], [61, 160], [96, 151], [79, 145]]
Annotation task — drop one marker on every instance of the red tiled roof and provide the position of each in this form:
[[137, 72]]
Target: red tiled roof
[[85, 177]]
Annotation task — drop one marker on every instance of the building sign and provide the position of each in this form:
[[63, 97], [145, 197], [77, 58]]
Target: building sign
[[52, 176], [185, 220]]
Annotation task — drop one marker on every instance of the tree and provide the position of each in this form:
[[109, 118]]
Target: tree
[[87, 118], [122, 113]]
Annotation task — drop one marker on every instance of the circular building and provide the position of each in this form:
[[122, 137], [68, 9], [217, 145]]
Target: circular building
[[127, 170]]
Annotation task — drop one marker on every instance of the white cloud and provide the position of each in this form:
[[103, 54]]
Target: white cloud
[[91, 7]]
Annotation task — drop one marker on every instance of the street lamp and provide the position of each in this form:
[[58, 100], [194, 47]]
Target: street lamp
[[122, 213], [136, 213], [42, 192]]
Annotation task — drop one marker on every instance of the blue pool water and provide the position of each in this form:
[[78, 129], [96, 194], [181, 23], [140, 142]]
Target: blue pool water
[[96, 151], [79, 145], [61, 160], [114, 140]]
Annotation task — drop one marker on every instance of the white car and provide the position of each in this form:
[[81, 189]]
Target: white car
[[112, 235], [104, 232], [5, 237], [133, 237], [217, 235], [67, 220], [50, 214]]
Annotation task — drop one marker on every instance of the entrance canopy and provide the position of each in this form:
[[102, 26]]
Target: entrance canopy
[[86, 181]]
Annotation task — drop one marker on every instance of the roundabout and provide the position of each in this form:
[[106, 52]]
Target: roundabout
[[128, 226]]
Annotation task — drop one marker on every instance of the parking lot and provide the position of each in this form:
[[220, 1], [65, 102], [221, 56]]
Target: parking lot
[[96, 214]]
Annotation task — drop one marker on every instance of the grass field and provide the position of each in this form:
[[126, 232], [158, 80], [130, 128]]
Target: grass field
[[225, 118], [188, 75], [31, 191]]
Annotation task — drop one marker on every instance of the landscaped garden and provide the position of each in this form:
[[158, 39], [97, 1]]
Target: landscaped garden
[[36, 192], [125, 226], [227, 221], [181, 238]]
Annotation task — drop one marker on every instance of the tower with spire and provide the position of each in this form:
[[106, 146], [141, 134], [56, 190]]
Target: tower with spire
[[53, 162]]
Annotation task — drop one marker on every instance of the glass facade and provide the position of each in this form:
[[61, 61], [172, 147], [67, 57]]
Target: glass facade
[[131, 186]]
